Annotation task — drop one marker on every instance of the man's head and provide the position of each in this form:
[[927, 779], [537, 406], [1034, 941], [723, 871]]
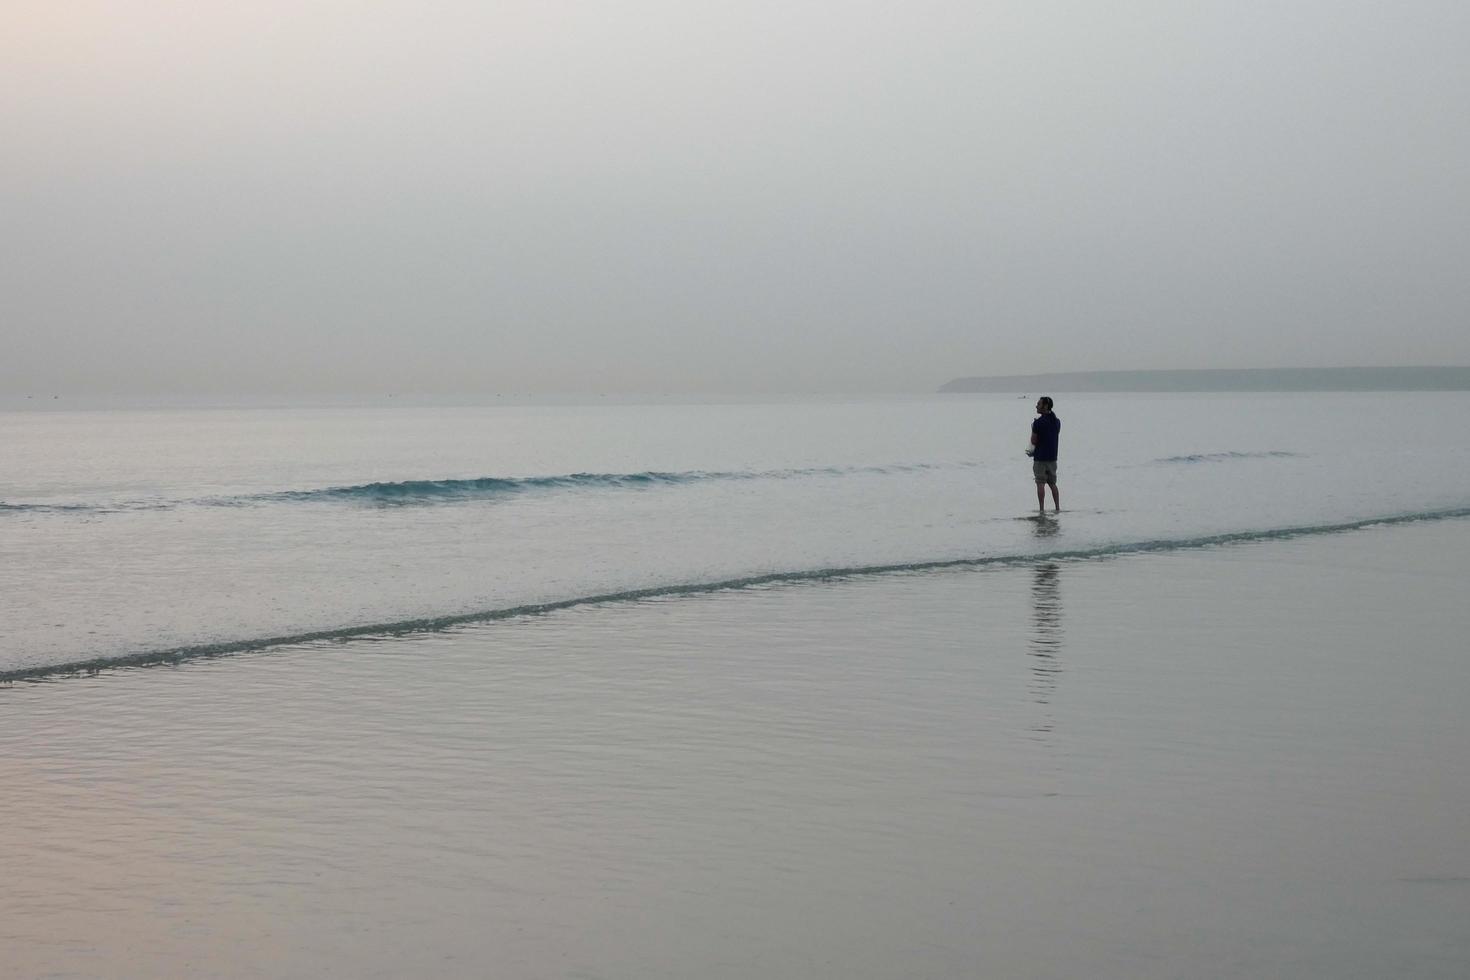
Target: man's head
[[1043, 404]]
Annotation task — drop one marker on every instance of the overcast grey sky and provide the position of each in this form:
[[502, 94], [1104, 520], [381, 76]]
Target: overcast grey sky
[[287, 196]]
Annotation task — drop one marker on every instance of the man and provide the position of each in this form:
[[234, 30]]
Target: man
[[1045, 432]]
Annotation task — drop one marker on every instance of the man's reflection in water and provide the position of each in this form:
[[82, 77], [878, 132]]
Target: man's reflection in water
[[1046, 634], [1046, 527]]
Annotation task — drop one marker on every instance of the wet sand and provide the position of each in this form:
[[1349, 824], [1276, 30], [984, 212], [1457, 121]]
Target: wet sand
[[1242, 761]]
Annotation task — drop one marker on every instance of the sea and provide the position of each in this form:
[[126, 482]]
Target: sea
[[798, 687]]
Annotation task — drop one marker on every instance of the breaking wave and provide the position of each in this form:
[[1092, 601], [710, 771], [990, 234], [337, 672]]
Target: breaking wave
[[430, 491], [411, 492]]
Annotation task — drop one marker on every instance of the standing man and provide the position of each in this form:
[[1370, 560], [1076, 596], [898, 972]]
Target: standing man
[[1045, 432]]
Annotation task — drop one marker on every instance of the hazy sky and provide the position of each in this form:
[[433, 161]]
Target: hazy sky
[[299, 196]]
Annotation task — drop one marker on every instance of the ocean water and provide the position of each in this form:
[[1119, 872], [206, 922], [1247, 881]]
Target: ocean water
[[737, 689], [131, 536]]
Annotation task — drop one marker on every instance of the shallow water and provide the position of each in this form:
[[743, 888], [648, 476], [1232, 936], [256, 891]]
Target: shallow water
[[145, 534], [1249, 760]]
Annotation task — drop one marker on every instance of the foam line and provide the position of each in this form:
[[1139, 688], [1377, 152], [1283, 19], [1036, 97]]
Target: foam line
[[440, 623]]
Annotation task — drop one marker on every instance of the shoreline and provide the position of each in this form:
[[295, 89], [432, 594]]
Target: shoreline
[[436, 624]]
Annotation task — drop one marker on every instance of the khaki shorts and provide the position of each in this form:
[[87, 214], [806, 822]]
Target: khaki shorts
[[1046, 471]]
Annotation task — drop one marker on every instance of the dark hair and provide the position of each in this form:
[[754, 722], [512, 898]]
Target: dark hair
[[1046, 403]]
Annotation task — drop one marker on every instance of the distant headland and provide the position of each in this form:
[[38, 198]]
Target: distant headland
[[1246, 379]]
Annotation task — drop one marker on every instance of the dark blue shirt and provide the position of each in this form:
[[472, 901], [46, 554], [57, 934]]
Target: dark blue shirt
[[1047, 429]]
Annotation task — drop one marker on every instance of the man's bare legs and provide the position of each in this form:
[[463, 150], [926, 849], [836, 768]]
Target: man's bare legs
[[1056, 496]]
